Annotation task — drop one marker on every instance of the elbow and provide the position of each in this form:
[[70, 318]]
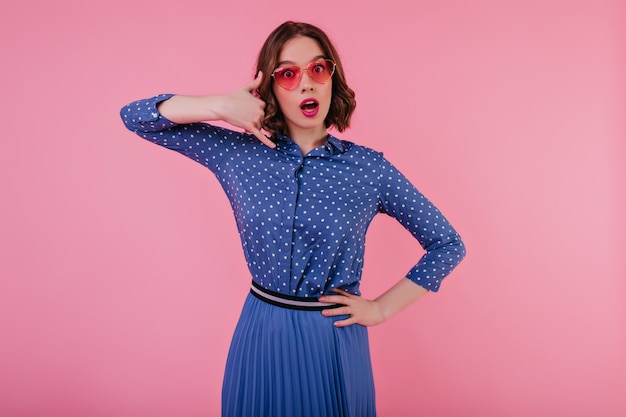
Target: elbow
[[125, 115], [457, 246], [461, 247], [451, 251]]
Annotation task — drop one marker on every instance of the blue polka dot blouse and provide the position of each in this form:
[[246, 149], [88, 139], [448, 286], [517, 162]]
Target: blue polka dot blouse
[[302, 219]]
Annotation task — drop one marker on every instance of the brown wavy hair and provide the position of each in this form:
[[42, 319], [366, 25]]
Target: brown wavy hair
[[342, 103]]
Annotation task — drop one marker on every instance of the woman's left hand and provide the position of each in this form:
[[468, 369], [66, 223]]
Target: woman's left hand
[[361, 311]]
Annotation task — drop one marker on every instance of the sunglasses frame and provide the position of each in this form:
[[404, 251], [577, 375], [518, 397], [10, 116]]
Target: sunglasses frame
[[301, 71]]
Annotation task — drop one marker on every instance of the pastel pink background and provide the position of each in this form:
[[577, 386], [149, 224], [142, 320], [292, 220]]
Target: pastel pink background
[[122, 276]]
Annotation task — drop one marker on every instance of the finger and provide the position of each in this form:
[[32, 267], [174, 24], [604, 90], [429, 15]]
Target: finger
[[346, 322], [256, 132], [256, 83], [338, 311], [343, 292], [335, 299]]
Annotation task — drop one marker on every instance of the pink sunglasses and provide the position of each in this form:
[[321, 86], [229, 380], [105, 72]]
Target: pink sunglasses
[[289, 77]]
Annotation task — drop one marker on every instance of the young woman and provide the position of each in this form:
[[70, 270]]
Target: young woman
[[303, 200]]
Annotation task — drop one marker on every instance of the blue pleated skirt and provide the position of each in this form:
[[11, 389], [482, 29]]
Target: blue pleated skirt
[[293, 363]]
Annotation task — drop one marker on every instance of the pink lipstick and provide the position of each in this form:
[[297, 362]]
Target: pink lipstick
[[309, 107]]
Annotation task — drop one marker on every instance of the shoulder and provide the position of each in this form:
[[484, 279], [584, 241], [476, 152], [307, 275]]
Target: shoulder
[[354, 150]]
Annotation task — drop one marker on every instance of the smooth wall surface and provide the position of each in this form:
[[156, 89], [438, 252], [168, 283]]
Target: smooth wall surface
[[121, 274]]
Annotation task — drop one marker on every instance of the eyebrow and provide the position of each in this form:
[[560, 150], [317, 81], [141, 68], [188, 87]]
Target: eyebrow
[[281, 63]]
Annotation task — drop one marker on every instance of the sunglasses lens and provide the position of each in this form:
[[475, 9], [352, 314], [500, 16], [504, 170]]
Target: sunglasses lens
[[287, 77], [321, 71]]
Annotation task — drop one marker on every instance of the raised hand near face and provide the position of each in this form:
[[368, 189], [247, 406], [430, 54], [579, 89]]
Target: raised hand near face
[[243, 108]]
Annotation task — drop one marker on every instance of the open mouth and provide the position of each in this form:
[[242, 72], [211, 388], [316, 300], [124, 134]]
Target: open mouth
[[309, 107]]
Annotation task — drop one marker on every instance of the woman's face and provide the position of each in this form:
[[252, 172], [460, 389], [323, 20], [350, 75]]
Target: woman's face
[[306, 106]]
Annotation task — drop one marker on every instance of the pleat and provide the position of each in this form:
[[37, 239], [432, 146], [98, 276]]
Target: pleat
[[286, 363]]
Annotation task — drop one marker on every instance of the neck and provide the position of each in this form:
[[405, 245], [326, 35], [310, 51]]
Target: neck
[[308, 139]]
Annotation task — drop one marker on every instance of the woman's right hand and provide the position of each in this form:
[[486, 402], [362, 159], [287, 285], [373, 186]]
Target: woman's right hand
[[243, 108]]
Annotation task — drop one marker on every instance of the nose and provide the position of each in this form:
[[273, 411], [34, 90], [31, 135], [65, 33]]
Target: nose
[[306, 83]]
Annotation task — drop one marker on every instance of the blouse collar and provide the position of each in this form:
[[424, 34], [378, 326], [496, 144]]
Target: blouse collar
[[332, 143]]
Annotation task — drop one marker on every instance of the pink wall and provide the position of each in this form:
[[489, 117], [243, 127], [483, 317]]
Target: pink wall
[[121, 272]]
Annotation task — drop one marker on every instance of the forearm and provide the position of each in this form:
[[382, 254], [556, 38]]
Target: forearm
[[373, 312], [399, 297], [242, 109], [190, 109]]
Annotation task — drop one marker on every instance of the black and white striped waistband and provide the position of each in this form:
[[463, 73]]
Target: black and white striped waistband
[[289, 301]]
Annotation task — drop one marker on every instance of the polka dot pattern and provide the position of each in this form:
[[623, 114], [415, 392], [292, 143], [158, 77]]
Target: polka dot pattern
[[302, 220]]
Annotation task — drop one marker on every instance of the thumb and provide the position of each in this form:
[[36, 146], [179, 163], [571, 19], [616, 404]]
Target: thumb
[[256, 83]]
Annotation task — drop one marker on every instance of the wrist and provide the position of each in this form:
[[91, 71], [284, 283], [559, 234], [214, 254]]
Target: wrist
[[380, 311], [214, 106]]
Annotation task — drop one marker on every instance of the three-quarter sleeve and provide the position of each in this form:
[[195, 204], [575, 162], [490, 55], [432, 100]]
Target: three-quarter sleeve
[[444, 248], [142, 116], [201, 142]]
